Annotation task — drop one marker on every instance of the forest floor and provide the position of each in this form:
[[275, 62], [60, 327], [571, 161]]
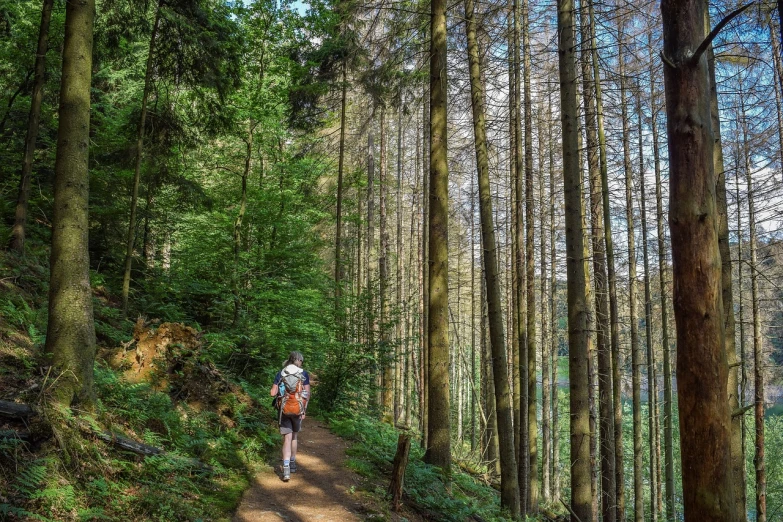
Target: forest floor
[[322, 489]]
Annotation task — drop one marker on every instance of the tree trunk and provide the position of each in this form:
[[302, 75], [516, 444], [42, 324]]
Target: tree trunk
[[518, 292], [20, 219], [724, 246], [439, 434], [668, 442], [546, 409], [614, 320], [70, 335], [370, 312], [137, 167], [386, 352], [702, 370], [608, 492], [425, 286], [578, 285], [399, 355], [758, 356], [652, 389], [636, 363], [238, 222], [338, 232], [509, 487], [555, 338], [530, 309]]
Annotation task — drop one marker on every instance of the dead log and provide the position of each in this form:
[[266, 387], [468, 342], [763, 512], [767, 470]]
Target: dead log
[[398, 472], [14, 410]]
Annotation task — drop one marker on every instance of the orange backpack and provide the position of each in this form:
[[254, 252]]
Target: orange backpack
[[291, 393]]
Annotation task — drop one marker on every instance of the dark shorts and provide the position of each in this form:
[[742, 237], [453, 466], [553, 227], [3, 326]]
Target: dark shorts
[[290, 424]]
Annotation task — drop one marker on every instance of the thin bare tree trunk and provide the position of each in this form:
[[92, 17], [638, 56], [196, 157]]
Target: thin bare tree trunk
[[636, 363], [614, 320], [338, 234], [554, 474], [758, 355], [399, 352], [608, 493], [20, 218], [519, 345], [546, 377], [668, 439], [530, 309], [239, 221], [652, 389], [737, 453], [137, 167], [509, 488], [579, 340]]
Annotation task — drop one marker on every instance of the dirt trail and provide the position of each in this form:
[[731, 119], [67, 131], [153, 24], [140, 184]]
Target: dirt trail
[[318, 491]]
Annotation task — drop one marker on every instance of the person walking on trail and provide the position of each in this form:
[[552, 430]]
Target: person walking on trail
[[291, 390]]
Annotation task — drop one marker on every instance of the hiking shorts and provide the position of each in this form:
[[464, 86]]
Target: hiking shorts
[[289, 424]]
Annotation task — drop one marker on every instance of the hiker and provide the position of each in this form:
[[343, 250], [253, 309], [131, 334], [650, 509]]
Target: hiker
[[291, 390]]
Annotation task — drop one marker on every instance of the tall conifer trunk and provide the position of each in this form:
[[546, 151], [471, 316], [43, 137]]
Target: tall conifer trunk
[[737, 452], [636, 376], [530, 294], [126, 277], [608, 493], [439, 434], [702, 370], [338, 229], [652, 389], [18, 232], [758, 355], [509, 488], [70, 334], [578, 285]]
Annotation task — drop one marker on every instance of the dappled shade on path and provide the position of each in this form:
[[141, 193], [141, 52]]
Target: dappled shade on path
[[318, 491]]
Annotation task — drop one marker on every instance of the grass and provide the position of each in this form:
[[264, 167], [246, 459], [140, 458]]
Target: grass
[[371, 456]]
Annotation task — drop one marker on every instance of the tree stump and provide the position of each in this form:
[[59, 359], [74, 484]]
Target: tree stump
[[398, 473]]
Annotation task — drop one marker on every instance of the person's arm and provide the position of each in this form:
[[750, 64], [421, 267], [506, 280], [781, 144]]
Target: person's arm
[[276, 386], [306, 399]]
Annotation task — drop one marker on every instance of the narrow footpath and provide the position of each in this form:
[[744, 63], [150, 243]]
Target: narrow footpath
[[319, 491]]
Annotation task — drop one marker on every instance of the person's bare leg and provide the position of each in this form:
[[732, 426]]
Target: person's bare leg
[[287, 446], [293, 446]]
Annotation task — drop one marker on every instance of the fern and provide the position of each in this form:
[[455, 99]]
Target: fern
[[30, 478]]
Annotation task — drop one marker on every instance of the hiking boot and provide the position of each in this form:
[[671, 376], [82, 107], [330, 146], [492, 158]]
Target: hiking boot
[[293, 466], [286, 473]]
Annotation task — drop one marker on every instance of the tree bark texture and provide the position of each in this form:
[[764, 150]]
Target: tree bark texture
[[439, 435], [737, 453], [702, 370], [70, 335], [578, 285], [509, 487], [608, 492]]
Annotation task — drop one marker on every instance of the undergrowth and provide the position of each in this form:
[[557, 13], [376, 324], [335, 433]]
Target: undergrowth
[[372, 454], [210, 451]]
